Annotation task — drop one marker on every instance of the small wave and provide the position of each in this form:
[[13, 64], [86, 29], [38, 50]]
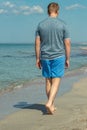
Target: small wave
[[10, 88], [85, 71], [18, 86], [10, 56], [29, 56], [79, 54], [7, 56], [84, 48], [25, 52]]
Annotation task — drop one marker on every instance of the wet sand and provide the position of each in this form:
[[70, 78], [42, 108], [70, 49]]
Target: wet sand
[[71, 113]]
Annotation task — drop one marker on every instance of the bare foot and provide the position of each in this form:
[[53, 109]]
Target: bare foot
[[54, 108], [50, 109], [53, 111]]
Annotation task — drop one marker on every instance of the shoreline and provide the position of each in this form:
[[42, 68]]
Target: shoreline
[[71, 112], [18, 86]]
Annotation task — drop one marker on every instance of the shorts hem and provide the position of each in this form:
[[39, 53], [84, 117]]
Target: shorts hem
[[53, 76]]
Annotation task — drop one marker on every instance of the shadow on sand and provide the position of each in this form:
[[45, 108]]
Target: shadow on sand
[[25, 105]]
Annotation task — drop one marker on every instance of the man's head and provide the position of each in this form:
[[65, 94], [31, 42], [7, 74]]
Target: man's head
[[53, 8]]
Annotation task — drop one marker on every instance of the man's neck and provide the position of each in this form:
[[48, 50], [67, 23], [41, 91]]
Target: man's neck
[[53, 15]]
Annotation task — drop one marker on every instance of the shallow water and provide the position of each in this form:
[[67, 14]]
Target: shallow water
[[17, 63]]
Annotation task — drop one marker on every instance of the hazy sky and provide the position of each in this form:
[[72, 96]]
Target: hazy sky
[[19, 19]]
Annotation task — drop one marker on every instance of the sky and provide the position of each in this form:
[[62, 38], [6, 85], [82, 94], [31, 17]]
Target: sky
[[19, 19]]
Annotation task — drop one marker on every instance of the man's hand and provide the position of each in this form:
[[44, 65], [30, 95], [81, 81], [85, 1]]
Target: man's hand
[[67, 50], [37, 52], [38, 64], [67, 64]]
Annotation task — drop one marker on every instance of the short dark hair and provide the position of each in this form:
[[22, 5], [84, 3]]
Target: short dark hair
[[53, 7]]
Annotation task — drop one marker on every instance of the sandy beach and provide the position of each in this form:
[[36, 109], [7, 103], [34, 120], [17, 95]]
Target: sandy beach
[[71, 113]]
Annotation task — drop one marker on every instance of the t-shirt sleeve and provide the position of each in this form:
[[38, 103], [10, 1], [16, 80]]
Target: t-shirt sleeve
[[66, 33], [37, 33]]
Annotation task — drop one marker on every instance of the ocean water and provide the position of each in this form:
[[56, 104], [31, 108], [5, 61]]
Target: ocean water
[[17, 63]]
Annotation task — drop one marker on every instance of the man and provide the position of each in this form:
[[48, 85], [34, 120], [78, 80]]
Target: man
[[52, 47]]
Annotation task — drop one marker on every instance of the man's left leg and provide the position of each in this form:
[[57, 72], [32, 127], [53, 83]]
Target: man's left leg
[[48, 86]]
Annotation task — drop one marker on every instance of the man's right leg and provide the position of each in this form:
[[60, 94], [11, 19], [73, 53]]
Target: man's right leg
[[48, 89], [53, 92]]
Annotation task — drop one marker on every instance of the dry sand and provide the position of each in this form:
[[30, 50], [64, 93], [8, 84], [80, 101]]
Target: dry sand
[[71, 113]]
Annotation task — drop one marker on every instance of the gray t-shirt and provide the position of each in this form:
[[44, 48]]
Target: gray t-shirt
[[52, 32]]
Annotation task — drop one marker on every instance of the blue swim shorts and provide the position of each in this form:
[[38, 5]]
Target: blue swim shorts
[[53, 68]]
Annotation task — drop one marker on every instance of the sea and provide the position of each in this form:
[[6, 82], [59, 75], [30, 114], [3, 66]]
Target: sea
[[17, 63]]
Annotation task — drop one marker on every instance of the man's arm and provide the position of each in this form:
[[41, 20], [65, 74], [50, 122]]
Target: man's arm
[[37, 51], [67, 52]]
